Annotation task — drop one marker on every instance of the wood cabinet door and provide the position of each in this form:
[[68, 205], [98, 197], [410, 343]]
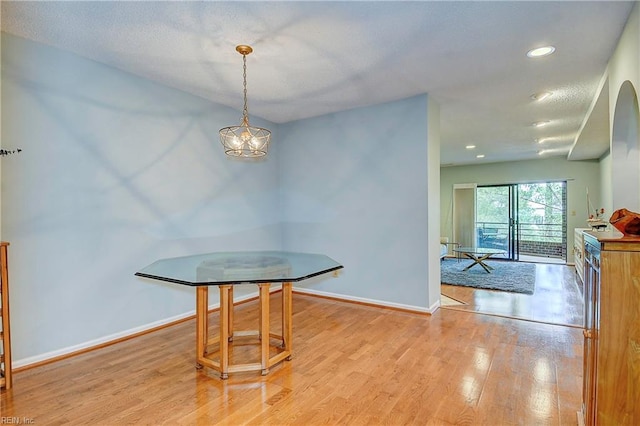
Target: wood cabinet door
[[618, 384]]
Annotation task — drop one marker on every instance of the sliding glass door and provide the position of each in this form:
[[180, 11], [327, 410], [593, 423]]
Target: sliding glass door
[[526, 220], [497, 218], [543, 221]]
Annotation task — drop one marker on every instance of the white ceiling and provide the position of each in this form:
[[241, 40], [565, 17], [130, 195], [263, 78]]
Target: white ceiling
[[313, 58]]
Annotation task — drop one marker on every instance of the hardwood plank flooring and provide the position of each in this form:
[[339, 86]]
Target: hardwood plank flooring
[[352, 365], [557, 298]]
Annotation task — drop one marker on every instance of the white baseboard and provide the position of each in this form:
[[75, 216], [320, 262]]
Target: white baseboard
[[384, 304]]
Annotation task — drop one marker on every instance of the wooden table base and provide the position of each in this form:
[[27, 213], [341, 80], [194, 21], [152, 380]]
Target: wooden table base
[[227, 334]]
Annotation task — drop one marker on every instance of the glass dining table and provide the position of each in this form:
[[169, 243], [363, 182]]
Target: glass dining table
[[227, 270]]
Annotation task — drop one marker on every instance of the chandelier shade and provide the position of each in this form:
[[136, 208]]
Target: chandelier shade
[[245, 140]]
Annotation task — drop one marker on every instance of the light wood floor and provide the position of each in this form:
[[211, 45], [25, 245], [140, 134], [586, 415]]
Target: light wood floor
[[557, 298], [352, 365]]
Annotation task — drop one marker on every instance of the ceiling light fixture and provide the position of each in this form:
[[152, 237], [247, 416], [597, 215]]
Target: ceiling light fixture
[[470, 146], [541, 51], [540, 123], [244, 140], [480, 156], [540, 96]]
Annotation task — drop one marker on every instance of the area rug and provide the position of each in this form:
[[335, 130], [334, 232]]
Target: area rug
[[518, 277]]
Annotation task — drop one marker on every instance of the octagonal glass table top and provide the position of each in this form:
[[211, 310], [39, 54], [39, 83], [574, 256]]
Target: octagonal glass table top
[[244, 267]]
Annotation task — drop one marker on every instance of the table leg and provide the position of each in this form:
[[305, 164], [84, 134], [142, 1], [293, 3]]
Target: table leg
[[224, 331], [202, 322], [484, 265], [472, 257], [287, 312], [479, 261], [264, 327], [231, 314]]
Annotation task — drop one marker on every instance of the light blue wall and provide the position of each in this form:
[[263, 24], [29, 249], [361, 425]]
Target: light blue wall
[[580, 175], [116, 172], [354, 186], [433, 198]]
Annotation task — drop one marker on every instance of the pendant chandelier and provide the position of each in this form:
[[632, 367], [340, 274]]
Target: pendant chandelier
[[245, 140]]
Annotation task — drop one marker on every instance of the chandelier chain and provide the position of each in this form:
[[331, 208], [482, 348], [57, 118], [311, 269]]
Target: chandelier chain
[[245, 111]]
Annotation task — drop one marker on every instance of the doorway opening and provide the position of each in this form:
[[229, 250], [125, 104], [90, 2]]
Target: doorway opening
[[528, 221]]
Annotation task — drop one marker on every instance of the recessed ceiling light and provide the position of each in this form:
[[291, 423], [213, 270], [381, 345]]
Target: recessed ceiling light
[[480, 156], [470, 146], [541, 51], [540, 123], [540, 96], [542, 152], [542, 140]]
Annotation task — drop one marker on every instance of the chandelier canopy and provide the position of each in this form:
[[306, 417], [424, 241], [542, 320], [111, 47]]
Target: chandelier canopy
[[245, 140]]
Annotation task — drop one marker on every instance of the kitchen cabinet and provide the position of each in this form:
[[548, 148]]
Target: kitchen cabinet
[[611, 379]]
